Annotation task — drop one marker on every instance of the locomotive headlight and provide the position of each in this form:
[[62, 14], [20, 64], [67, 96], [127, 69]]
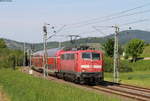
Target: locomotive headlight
[[85, 66], [97, 66], [83, 70]]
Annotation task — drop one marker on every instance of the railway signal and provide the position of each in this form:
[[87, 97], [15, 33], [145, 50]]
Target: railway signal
[[45, 38], [45, 50]]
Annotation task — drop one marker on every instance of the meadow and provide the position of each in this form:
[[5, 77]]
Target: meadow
[[138, 78], [22, 87]]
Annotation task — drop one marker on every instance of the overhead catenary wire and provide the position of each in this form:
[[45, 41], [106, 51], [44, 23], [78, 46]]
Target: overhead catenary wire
[[56, 32], [116, 17], [111, 15], [96, 29], [99, 30], [125, 24], [134, 22]]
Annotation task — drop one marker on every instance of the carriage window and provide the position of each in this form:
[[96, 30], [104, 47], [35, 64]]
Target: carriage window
[[95, 56], [86, 55], [68, 57], [72, 56]]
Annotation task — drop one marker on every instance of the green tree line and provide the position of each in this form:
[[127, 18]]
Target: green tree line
[[9, 58]]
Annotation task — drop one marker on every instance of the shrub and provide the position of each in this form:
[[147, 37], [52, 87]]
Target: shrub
[[124, 66]]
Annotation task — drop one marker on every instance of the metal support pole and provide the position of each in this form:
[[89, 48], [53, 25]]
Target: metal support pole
[[116, 55], [45, 50], [45, 38], [30, 55], [24, 54], [59, 44]]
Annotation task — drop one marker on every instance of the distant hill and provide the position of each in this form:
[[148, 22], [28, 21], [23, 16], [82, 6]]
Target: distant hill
[[124, 37], [20, 45], [127, 35]]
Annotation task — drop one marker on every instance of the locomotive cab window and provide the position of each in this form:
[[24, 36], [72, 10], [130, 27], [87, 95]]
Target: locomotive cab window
[[86, 55], [91, 55], [95, 56]]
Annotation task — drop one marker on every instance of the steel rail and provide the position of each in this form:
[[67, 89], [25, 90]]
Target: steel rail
[[122, 93], [134, 88]]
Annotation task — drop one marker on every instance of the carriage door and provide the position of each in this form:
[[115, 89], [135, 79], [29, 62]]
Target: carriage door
[[55, 64]]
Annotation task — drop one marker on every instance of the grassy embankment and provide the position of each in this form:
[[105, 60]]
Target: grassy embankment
[[23, 87], [134, 78]]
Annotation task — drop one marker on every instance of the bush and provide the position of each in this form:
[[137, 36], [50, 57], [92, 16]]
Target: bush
[[124, 66], [2, 44], [108, 64]]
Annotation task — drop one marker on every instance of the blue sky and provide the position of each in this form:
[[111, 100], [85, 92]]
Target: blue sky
[[22, 20]]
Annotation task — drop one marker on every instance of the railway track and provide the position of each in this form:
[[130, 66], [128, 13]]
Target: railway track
[[128, 91]]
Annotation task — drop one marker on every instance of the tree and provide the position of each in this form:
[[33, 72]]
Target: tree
[[134, 48], [108, 47], [2, 43]]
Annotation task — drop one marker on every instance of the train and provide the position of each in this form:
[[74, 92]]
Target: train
[[78, 65]]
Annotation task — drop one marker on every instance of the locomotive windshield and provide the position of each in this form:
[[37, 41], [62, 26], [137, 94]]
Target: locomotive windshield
[[95, 56], [86, 55], [91, 55]]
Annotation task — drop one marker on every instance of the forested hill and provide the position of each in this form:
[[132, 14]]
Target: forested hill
[[125, 36]]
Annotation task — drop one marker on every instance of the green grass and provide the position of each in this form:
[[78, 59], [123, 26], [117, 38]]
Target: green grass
[[134, 78], [23, 87], [141, 65], [146, 52]]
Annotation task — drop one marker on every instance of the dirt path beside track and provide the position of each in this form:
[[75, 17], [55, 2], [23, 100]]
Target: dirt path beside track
[[3, 96]]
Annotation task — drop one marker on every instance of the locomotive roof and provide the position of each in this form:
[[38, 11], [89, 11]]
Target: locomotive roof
[[50, 52]]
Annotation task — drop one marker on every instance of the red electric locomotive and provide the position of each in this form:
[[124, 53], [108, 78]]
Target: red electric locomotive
[[77, 65]]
